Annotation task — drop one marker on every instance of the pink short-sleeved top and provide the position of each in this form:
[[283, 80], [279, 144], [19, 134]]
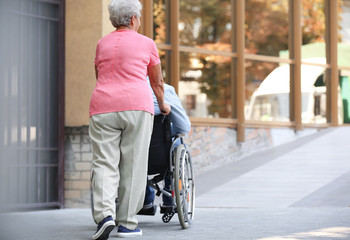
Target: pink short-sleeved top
[[122, 60]]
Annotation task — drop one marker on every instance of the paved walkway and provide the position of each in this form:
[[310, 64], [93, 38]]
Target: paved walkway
[[296, 191]]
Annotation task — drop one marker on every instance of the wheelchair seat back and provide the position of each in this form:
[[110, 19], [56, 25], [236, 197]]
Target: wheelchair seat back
[[159, 151]]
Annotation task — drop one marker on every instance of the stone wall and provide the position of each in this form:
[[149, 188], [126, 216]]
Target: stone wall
[[78, 155], [214, 146], [210, 147]]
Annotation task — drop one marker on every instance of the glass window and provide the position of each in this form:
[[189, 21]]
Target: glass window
[[206, 23], [270, 107], [313, 92], [313, 23], [164, 56], [160, 21], [267, 91], [344, 35], [268, 96], [205, 85], [343, 57], [266, 26]]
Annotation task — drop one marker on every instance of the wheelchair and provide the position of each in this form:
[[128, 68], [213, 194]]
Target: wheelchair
[[170, 158]]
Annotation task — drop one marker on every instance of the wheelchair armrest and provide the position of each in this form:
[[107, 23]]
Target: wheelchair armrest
[[179, 135]]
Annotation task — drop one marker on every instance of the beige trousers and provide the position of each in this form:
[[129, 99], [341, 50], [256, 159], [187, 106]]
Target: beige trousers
[[120, 143]]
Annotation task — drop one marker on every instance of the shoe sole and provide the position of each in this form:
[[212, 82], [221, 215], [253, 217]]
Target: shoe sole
[[130, 234], [104, 232]]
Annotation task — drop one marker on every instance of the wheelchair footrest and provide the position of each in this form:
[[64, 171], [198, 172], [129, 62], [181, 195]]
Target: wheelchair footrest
[[168, 213], [168, 216], [149, 211]]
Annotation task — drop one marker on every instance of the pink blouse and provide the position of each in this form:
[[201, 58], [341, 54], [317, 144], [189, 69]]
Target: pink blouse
[[122, 59]]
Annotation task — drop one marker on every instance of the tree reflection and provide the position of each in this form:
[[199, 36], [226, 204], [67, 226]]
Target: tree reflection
[[208, 24]]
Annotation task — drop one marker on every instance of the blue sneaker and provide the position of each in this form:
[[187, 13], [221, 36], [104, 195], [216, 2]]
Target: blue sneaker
[[104, 228], [123, 232]]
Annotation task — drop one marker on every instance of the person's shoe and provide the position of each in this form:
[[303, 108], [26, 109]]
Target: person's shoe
[[123, 232], [151, 211], [148, 209], [104, 228], [147, 206], [167, 208]]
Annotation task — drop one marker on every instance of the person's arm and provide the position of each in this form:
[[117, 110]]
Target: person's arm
[[157, 84], [180, 121]]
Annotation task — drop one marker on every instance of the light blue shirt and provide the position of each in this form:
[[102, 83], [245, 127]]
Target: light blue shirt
[[180, 121]]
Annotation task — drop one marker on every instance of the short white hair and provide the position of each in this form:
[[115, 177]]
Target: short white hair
[[121, 11]]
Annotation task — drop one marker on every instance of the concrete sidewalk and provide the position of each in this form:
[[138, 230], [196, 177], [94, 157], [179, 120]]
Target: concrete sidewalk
[[296, 191]]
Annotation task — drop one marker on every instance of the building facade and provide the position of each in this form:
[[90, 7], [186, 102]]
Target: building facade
[[242, 69]]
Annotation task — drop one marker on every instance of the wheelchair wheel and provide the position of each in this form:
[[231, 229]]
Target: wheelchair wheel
[[184, 186]]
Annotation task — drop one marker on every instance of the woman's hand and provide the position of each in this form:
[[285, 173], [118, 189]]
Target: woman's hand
[[164, 108]]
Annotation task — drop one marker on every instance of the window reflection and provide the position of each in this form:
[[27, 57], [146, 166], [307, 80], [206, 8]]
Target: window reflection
[[259, 104], [344, 59], [160, 18], [205, 21], [205, 82], [266, 26], [164, 59], [205, 86], [270, 100], [256, 72], [313, 23], [313, 33], [271, 107], [344, 38]]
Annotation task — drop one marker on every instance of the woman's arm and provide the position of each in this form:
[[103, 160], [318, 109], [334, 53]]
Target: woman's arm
[[157, 84]]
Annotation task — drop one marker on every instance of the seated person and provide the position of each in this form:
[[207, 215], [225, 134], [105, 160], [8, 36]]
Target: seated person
[[180, 125]]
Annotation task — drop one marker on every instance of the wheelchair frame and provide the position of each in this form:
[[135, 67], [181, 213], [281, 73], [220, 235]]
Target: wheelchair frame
[[183, 184], [182, 191]]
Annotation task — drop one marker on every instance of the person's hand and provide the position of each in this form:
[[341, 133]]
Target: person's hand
[[164, 108]]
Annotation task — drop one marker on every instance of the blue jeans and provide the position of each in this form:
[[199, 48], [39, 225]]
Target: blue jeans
[[150, 194]]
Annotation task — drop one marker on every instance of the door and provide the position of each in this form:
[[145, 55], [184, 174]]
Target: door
[[31, 103]]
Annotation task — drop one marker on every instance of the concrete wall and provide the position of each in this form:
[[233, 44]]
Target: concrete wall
[[86, 22], [107, 27]]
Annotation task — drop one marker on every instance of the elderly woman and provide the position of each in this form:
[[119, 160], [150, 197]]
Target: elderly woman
[[121, 118]]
